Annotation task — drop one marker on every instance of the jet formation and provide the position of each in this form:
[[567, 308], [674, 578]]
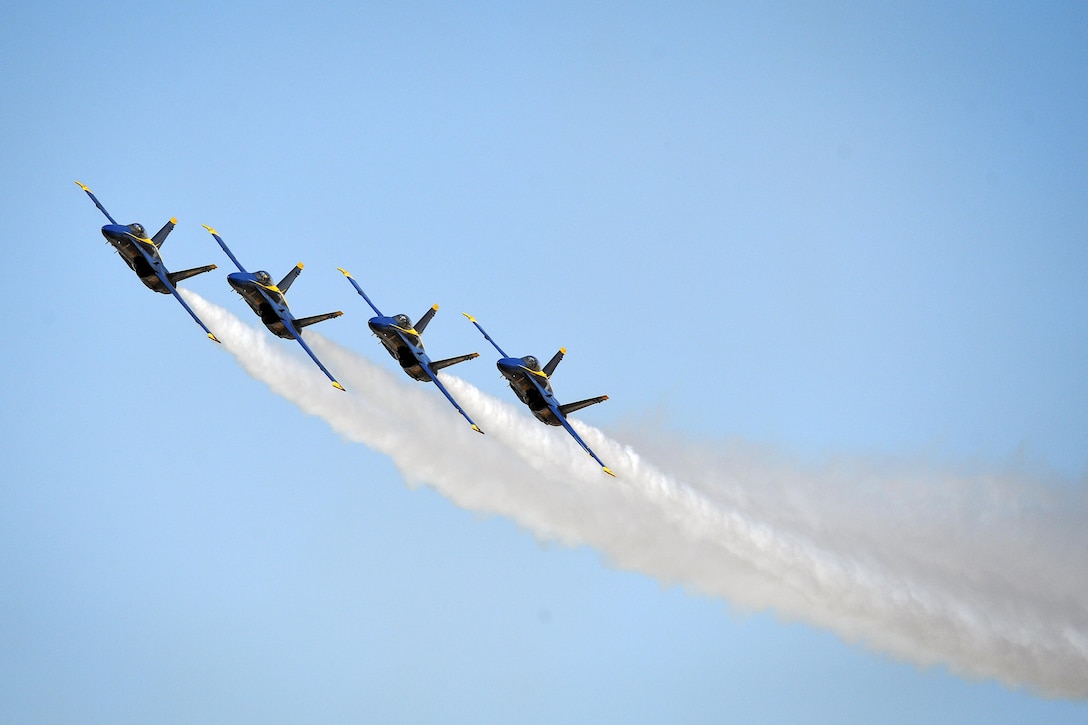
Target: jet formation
[[402, 339]]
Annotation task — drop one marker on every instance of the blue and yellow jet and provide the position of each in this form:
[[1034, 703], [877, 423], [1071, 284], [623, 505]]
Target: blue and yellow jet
[[405, 343], [141, 254], [532, 384], [267, 300]]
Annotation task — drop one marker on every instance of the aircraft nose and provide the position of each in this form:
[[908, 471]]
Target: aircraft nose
[[508, 365], [114, 231]]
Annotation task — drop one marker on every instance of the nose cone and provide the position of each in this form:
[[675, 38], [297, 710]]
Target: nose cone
[[380, 323], [509, 366], [115, 232], [237, 280]]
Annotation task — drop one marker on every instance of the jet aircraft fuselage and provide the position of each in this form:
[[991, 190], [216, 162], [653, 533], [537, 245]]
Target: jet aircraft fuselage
[[138, 251], [518, 372], [403, 342], [265, 299]]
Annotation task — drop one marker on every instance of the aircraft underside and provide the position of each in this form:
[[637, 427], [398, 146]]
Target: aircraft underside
[[277, 328], [154, 283], [536, 403], [143, 269], [270, 319]]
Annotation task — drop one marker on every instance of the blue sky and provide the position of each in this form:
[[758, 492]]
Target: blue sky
[[827, 233]]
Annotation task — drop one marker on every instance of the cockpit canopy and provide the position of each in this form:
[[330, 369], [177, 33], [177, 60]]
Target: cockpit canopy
[[263, 277], [137, 229], [403, 321], [532, 363]]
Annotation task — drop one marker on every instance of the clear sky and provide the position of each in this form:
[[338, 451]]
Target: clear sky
[[824, 232]]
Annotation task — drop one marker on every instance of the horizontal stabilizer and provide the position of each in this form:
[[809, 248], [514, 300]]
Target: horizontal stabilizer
[[439, 364], [285, 283], [571, 407], [427, 317], [307, 321], [176, 277], [160, 236], [554, 362]]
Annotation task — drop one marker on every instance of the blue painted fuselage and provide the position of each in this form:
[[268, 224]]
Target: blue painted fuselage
[[520, 373], [139, 253], [402, 341], [265, 299]]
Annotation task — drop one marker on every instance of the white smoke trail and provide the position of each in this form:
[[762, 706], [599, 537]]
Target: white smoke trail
[[985, 574]]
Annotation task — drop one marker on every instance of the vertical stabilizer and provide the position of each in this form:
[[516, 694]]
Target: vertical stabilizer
[[160, 236], [427, 317], [554, 362], [288, 280]]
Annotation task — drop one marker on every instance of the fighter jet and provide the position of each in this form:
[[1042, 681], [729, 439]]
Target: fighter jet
[[532, 385], [404, 342], [142, 255], [268, 302]]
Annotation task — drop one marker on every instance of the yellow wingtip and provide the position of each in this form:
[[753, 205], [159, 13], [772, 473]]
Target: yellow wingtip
[[173, 220], [476, 428], [213, 338], [209, 229], [299, 265], [344, 271], [470, 317], [338, 386], [82, 186], [434, 307], [608, 470], [563, 350]]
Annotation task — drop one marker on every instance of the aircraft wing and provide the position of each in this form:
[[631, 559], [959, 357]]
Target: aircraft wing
[[360, 290], [226, 249], [550, 400], [484, 333], [97, 203], [434, 379], [563, 420], [178, 297], [298, 336], [164, 277]]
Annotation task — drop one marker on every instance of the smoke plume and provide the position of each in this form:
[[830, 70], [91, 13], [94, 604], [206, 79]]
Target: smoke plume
[[984, 573]]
